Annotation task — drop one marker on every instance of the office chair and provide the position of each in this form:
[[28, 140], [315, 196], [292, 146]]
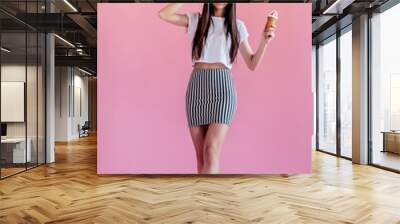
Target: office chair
[[84, 130]]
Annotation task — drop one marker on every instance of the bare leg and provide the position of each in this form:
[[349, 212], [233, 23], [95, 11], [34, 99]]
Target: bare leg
[[198, 134], [212, 147]]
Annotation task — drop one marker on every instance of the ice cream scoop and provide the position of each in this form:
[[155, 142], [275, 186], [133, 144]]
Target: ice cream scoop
[[271, 19]]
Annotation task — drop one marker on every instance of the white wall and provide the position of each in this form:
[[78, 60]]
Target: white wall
[[17, 73], [79, 117], [12, 73], [70, 83], [62, 81]]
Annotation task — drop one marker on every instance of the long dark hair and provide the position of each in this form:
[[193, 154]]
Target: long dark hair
[[200, 36]]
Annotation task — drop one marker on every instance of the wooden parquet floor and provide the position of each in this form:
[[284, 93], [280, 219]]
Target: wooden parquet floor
[[70, 191]]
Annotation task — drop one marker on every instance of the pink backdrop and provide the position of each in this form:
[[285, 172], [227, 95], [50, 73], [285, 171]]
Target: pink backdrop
[[143, 69]]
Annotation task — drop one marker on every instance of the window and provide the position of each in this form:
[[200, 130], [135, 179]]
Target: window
[[346, 75], [385, 89], [327, 96]]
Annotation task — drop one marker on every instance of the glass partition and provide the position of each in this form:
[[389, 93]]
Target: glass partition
[[346, 93], [14, 153], [41, 107], [32, 95], [22, 101], [385, 89], [327, 95]]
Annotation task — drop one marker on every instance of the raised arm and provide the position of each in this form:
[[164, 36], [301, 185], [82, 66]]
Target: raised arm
[[169, 14], [253, 59]]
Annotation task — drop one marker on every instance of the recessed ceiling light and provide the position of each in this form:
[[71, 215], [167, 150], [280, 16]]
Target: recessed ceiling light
[[64, 40], [337, 7], [70, 5], [84, 71], [5, 50], [326, 11]]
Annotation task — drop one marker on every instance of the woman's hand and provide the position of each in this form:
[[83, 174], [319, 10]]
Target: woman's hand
[[269, 34], [169, 14]]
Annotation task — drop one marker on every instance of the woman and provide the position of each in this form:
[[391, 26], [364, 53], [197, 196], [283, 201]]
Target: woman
[[217, 36]]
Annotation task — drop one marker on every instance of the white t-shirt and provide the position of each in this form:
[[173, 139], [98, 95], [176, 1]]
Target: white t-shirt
[[217, 45]]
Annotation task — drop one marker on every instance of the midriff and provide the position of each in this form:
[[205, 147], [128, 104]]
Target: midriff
[[208, 65]]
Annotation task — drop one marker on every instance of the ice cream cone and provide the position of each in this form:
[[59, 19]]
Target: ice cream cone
[[271, 19]]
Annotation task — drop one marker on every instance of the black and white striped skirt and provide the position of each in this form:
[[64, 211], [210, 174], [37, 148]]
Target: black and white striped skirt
[[210, 97]]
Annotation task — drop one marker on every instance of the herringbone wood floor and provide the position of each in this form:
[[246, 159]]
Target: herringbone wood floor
[[69, 191]]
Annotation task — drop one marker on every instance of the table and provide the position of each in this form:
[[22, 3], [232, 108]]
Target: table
[[391, 141], [13, 150]]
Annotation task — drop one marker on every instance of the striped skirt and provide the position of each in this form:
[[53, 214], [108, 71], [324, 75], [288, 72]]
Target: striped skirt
[[210, 97]]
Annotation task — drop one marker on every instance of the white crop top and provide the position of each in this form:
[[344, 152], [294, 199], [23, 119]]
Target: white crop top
[[217, 45]]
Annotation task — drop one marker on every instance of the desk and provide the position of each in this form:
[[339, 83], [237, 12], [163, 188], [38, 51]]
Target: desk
[[391, 141], [13, 150]]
